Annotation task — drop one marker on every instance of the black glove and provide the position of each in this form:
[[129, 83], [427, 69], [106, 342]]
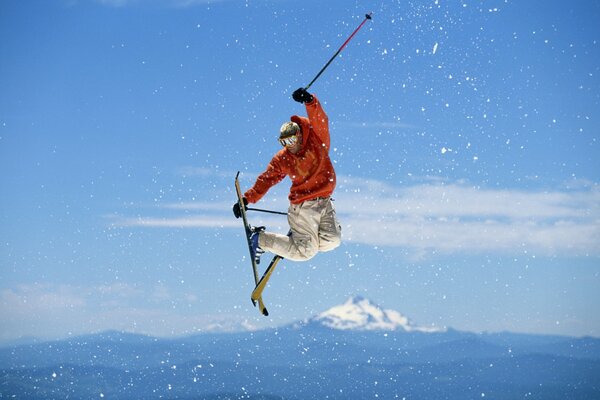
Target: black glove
[[236, 208], [301, 95]]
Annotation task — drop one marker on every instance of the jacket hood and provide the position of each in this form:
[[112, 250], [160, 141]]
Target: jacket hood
[[305, 126]]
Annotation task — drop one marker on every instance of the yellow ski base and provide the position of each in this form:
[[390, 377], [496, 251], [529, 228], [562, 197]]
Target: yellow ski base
[[257, 292]]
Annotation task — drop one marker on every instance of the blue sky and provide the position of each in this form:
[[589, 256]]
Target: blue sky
[[465, 136]]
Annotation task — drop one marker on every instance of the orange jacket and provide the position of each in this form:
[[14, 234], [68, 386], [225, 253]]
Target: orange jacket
[[310, 170]]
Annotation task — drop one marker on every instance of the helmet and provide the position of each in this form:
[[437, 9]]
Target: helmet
[[288, 129]]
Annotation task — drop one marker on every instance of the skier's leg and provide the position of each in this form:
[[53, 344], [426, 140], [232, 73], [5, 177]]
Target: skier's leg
[[330, 230], [303, 242]]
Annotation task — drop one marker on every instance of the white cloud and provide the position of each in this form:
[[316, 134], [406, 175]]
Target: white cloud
[[26, 299], [54, 311], [198, 221], [163, 3], [457, 217], [380, 125], [440, 199], [432, 216], [198, 206], [36, 308], [204, 172]]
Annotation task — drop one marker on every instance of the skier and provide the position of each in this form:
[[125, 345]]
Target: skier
[[305, 159]]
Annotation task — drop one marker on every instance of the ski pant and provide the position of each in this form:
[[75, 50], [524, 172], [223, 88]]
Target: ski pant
[[313, 227]]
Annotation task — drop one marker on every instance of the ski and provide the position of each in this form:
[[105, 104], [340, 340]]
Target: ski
[[262, 283], [256, 295]]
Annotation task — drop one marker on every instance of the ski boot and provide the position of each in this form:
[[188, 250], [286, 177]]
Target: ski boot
[[255, 250]]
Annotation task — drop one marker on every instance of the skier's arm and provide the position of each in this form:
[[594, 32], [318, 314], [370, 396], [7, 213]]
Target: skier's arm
[[272, 176], [318, 120]]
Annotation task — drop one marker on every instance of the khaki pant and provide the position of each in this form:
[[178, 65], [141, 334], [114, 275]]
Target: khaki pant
[[314, 227]]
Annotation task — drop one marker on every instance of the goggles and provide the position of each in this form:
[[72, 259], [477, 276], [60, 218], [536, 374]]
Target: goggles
[[289, 141]]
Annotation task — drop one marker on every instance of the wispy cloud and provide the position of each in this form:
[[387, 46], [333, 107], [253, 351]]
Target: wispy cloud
[[456, 217], [435, 216], [197, 206], [380, 125], [163, 3], [55, 311], [197, 221], [203, 172]]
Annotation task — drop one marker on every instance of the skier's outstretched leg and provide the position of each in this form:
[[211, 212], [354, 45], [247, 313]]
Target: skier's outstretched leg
[[303, 242]]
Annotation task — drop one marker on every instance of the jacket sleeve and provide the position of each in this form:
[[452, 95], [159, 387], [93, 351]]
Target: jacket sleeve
[[318, 120], [272, 176]]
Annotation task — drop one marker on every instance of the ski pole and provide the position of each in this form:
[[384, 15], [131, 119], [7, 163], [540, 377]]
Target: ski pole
[[367, 17], [266, 211]]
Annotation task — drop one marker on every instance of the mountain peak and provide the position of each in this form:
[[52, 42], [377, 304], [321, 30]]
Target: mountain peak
[[361, 314]]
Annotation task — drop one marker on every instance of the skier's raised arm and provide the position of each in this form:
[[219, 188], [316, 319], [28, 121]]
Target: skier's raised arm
[[319, 120], [317, 116]]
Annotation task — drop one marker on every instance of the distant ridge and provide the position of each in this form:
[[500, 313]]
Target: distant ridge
[[355, 350], [361, 314]]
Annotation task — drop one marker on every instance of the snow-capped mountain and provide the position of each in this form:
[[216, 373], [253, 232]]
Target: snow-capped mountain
[[308, 362], [359, 313]]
